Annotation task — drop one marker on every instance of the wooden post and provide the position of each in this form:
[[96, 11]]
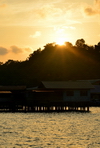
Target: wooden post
[[48, 108], [55, 108], [25, 108], [84, 108], [36, 108], [88, 108]]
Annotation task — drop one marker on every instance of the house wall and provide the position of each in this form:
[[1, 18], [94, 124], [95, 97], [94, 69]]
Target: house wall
[[56, 97], [76, 96], [95, 96], [44, 97], [5, 97]]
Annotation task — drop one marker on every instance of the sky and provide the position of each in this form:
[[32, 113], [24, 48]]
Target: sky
[[27, 25]]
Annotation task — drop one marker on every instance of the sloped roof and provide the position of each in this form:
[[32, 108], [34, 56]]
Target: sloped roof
[[10, 88], [5, 92], [93, 81], [32, 88], [66, 85]]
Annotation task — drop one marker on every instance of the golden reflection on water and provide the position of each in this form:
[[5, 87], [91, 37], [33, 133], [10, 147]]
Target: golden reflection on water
[[50, 130]]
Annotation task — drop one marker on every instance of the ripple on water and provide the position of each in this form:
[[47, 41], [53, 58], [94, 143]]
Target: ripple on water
[[51, 130]]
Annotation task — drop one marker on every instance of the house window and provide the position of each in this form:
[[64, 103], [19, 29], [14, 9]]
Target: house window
[[70, 93], [83, 93]]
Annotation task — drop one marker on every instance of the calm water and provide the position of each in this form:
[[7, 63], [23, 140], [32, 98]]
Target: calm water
[[50, 130]]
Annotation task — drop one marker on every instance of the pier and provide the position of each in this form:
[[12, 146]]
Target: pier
[[41, 108], [47, 97]]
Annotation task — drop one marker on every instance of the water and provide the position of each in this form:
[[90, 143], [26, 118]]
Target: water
[[50, 130]]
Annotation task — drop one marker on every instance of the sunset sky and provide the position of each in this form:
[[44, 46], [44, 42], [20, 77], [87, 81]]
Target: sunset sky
[[26, 25]]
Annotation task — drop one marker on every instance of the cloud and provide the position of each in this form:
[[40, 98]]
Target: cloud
[[38, 13], [28, 49], [69, 27], [90, 11], [3, 51], [97, 3], [3, 5], [37, 34], [49, 11], [93, 10], [62, 29], [16, 49]]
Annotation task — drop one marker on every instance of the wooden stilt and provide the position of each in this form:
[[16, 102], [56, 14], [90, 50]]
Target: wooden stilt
[[88, 108]]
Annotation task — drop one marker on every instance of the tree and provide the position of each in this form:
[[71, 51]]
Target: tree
[[34, 54], [97, 47], [80, 43], [68, 44], [1, 63]]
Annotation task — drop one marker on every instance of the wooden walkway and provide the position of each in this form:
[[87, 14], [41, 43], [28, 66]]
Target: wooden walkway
[[26, 108]]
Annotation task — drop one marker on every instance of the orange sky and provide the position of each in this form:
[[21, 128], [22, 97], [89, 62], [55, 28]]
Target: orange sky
[[26, 25]]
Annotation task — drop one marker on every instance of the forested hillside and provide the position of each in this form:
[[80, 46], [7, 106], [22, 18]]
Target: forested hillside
[[53, 62]]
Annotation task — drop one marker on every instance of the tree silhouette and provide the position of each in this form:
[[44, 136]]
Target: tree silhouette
[[80, 42], [53, 62]]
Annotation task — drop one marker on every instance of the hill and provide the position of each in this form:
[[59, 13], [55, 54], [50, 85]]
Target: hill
[[54, 62]]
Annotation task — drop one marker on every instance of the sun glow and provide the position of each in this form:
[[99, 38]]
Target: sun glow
[[61, 41]]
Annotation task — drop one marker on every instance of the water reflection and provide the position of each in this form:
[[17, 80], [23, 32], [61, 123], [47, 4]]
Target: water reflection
[[57, 130]]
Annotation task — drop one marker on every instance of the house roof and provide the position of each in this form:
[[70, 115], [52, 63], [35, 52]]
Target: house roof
[[10, 88], [5, 92], [32, 88], [93, 81], [66, 85]]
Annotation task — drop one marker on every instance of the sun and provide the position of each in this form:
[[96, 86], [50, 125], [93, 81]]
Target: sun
[[60, 41]]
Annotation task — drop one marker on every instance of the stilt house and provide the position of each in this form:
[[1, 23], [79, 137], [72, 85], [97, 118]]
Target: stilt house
[[62, 92]]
